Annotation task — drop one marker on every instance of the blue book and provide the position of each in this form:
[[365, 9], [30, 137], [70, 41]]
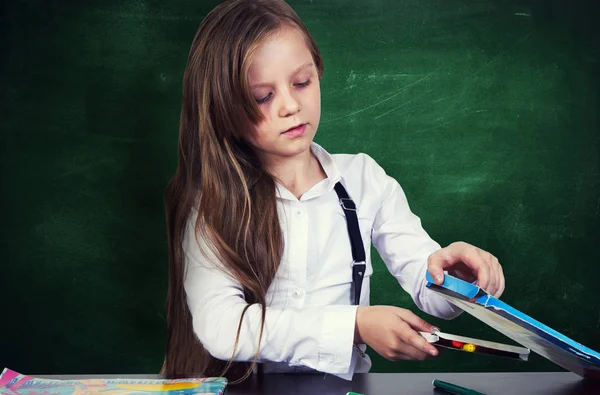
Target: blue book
[[518, 326]]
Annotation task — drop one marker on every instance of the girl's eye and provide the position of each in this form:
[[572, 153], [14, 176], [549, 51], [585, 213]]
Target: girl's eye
[[303, 84], [263, 99]]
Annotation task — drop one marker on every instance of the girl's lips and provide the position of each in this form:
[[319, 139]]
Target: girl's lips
[[296, 131]]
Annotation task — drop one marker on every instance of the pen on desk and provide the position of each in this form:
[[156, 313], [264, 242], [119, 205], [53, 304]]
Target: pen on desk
[[353, 393], [454, 389]]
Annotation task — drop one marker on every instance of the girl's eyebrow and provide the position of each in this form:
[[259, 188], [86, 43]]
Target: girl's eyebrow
[[299, 69], [305, 65]]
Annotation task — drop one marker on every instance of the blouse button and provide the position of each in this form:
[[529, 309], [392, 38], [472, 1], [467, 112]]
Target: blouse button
[[297, 294]]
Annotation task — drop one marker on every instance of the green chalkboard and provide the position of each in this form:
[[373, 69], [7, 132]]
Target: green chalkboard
[[485, 111]]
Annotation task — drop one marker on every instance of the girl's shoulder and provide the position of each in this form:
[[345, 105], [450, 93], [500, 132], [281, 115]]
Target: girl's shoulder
[[359, 159], [345, 162], [359, 163], [360, 172]]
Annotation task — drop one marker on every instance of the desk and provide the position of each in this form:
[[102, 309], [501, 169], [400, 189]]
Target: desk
[[533, 383]]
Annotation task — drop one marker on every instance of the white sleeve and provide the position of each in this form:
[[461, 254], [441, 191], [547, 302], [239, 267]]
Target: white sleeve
[[404, 246], [320, 338]]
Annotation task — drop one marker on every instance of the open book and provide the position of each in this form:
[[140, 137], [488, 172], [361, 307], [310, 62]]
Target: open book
[[518, 326], [13, 383]]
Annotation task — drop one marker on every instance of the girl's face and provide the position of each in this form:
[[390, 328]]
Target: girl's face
[[285, 84]]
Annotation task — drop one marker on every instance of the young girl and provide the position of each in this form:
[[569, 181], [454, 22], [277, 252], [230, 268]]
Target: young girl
[[269, 234]]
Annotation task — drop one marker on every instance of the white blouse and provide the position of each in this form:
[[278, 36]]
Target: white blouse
[[310, 318]]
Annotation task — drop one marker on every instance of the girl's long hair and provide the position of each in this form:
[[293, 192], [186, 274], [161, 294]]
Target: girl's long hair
[[220, 175]]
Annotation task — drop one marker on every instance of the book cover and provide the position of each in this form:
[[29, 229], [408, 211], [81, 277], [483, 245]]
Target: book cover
[[518, 326]]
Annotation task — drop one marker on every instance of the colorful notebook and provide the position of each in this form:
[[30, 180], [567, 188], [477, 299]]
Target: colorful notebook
[[518, 326], [13, 383]]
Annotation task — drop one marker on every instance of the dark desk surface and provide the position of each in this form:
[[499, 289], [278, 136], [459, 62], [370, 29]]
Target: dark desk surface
[[554, 383]]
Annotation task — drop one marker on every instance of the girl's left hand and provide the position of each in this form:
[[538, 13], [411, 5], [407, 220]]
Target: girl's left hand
[[469, 263]]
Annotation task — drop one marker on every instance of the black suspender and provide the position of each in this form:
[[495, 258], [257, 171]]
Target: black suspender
[[358, 250]]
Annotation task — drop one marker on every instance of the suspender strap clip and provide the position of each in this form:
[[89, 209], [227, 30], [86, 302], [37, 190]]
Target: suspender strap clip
[[347, 204], [358, 273]]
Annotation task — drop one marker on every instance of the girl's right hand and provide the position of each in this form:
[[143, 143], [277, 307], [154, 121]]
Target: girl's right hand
[[392, 332]]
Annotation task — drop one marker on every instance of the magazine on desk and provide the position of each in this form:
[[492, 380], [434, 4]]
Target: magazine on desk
[[520, 327], [13, 383]]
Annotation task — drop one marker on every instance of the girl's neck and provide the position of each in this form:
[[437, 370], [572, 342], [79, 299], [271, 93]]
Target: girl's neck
[[297, 174]]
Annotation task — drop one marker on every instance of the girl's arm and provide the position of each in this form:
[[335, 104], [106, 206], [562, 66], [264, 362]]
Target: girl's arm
[[320, 338], [405, 247]]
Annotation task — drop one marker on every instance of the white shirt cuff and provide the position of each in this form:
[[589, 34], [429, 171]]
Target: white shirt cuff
[[337, 340]]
